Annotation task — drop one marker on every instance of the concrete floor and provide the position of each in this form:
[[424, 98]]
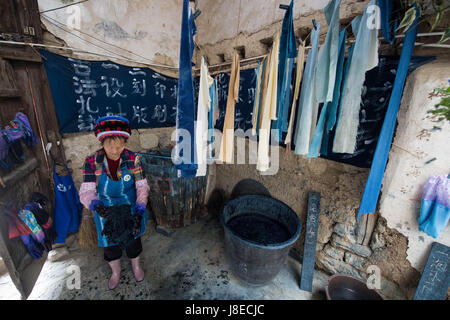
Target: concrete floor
[[191, 264]]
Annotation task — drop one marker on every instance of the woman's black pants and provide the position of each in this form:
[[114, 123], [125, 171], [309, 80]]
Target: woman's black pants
[[133, 250]]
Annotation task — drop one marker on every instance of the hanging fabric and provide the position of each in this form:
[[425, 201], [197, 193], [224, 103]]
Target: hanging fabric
[[373, 185], [307, 98], [328, 113], [202, 123], [365, 57], [287, 54], [214, 107], [227, 145], [298, 79], [327, 61], [334, 110], [185, 98], [435, 206], [258, 92], [387, 27], [68, 208], [268, 105]]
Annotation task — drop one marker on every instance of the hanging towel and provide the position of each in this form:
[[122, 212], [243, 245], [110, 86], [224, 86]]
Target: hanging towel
[[298, 78], [185, 98], [226, 147], [287, 54], [328, 113], [435, 208], [307, 98], [372, 189], [268, 105], [201, 130], [387, 27], [365, 57], [327, 62]]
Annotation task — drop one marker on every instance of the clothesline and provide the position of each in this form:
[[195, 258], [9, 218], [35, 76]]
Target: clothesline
[[430, 34]]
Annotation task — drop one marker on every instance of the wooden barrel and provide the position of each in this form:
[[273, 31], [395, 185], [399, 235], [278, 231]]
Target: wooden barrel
[[174, 202]]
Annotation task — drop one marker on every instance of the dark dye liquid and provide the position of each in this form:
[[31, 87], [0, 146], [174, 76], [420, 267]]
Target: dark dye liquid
[[259, 229]]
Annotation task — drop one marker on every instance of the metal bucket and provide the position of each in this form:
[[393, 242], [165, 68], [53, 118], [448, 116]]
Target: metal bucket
[[345, 287], [252, 262], [174, 202]]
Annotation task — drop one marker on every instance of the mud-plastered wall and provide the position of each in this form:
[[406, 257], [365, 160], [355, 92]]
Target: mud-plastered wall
[[134, 33], [420, 149]]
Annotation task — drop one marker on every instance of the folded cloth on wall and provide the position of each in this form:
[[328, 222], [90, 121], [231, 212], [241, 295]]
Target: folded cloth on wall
[[435, 208], [365, 57]]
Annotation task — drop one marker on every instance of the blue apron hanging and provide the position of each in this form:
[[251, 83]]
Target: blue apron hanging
[[68, 209], [113, 193]]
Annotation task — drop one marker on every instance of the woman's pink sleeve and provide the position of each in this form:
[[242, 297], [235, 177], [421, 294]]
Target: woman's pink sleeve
[[142, 190], [88, 192]]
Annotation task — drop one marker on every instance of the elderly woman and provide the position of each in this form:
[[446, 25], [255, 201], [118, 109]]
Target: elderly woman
[[115, 188]]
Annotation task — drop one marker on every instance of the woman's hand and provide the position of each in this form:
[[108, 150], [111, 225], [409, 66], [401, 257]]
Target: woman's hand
[[139, 209], [99, 207]]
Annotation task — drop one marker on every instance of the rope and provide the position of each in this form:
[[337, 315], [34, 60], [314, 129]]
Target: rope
[[37, 120], [71, 4]]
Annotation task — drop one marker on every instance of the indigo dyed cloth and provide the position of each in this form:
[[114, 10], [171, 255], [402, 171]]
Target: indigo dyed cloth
[[365, 57], [435, 209], [373, 185], [185, 100], [307, 98], [287, 54], [388, 27], [328, 114], [327, 62]]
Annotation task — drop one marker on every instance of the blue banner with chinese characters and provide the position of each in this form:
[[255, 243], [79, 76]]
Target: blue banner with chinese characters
[[85, 90]]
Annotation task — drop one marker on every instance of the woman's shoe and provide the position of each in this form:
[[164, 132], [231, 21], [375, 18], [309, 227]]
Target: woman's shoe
[[115, 276], [137, 270]]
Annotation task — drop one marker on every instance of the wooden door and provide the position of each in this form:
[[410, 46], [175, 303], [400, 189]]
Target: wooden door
[[24, 88]]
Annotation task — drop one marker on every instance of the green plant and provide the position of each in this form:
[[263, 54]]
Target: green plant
[[435, 12], [441, 111]]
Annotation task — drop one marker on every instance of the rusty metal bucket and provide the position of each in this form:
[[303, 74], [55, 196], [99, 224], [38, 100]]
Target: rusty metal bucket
[[345, 287]]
